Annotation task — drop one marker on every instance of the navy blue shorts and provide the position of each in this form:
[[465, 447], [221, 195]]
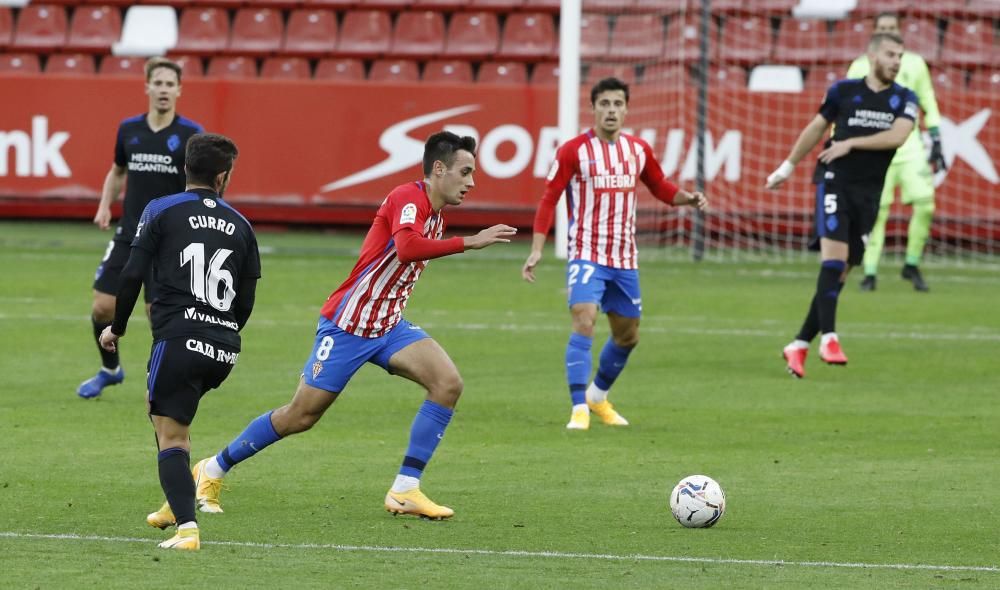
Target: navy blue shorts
[[337, 355]]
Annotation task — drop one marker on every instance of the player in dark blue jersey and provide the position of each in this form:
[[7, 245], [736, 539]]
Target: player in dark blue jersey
[[149, 153], [872, 116], [204, 259]]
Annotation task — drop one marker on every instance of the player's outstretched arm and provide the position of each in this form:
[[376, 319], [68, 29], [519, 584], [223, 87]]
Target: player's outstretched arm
[[497, 234], [537, 245], [811, 135]]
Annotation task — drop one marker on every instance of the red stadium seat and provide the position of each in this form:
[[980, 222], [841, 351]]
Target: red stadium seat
[[497, 5], [746, 40], [727, 77], [983, 9], [948, 79], [530, 36], [985, 81], [70, 64], [921, 37], [256, 31], [202, 31], [191, 66], [365, 33], [755, 8], [6, 27], [969, 43], [596, 72], [510, 72], [122, 66], [594, 36], [453, 71], [666, 7], [445, 5], [233, 67], [40, 27], [545, 74], [543, 5], [874, 7], [94, 29], [937, 8], [616, 6], [19, 63], [637, 36], [394, 70], [472, 35], [850, 39], [285, 68], [389, 5], [822, 77], [340, 69], [334, 4], [666, 75], [418, 34], [802, 42], [684, 40], [311, 32]]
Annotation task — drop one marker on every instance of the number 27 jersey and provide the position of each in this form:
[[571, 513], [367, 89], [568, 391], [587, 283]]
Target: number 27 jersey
[[202, 248]]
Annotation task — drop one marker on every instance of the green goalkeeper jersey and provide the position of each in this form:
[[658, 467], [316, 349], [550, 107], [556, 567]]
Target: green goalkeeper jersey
[[913, 74]]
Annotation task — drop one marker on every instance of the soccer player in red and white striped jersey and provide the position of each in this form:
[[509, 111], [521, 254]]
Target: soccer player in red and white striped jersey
[[362, 322], [599, 170]]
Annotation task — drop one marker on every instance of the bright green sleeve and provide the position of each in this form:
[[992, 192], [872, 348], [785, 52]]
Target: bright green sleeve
[[924, 90], [859, 68]]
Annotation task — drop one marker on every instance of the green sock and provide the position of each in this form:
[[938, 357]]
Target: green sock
[[876, 239], [919, 231]]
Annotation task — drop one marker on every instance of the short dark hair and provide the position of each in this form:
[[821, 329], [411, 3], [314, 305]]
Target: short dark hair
[[442, 146], [878, 38], [605, 85], [887, 14], [154, 63], [207, 155]]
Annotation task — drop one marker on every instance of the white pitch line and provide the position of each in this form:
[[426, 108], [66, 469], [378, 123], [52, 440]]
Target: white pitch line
[[519, 553]]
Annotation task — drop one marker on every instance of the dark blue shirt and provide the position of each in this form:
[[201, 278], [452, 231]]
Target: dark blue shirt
[[857, 111]]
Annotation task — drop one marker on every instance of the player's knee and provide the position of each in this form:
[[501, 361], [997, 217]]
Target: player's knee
[[102, 310], [292, 420], [627, 340], [447, 390]]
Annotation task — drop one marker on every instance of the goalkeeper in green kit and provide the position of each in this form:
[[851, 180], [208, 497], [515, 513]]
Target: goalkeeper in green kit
[[911, 167]]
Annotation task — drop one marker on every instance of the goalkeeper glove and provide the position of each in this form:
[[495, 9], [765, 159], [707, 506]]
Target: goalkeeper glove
[[936, 157]]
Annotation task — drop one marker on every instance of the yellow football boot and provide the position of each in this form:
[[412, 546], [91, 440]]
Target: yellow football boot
[[162, 518], [580, 420], [416, 503], [185, 539], [207, 489], [606, 412]]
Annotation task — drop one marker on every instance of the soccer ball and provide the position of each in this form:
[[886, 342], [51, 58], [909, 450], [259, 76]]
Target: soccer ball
[[698, 502]]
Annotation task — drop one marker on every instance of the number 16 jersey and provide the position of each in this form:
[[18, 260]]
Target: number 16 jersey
[[202, 248]]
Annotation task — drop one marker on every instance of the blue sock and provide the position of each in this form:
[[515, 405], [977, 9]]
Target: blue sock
[[613, 359], [578, 365], [428, 427], [257, 436]]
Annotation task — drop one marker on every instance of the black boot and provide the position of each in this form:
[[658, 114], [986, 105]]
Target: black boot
[[912, 273]]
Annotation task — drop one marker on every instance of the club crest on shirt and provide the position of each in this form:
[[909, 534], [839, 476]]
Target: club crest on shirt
[[409, 214], [894, 101], [317, 369], [209, 203], [173, 142]]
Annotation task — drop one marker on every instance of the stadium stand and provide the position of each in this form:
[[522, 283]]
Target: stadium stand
[[340, 69], [683, 40], [769, 78], [497, 5], [545, 74], [6, 27], [969, 43], [624, 72], [472, 35], [450, 71], [594, 36], [948, 78], [285, 68], [921, 37], [147, 31], [40, 27], [801, 42], [727, 77], [852, 39], [311, 32], [985, 80], [820, 78], [191, 66], [666, 74]]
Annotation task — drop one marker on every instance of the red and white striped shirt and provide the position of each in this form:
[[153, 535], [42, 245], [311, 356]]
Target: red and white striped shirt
[[406, 233], [600, 179]]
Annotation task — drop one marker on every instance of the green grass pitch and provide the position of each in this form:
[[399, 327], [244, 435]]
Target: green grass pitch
[[891, 461]]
